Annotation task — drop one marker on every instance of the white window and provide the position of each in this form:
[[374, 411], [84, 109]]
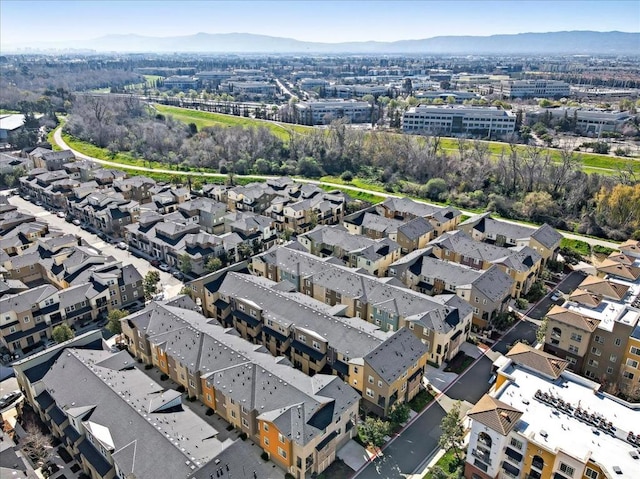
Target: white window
[[517, 444], [245, 423], [618, 342], [316, 345], [370, 379], [632, 363], [593, 362], [573, 349], [613, 358], [26, 319], [411, 326], [265, 426], [370, 393], [282, 452], [233, 413], [634, 350], [265, 440], [301, 338], [599, 339], [596, 351], [609, 370], [627, 375], [566, 469], [281, 438], [379, 383], [576, 337]]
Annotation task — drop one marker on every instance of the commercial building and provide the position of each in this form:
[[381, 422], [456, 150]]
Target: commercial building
[[534, 89], [324, 112], [542, 421], [453, 120], [584, 121]]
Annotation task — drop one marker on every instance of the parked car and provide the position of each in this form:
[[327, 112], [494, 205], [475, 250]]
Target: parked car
[[60, 214], [38, 203], [155, 263], [122, 245], [178, 275], [165, 267], [9, 398], [77, 222]]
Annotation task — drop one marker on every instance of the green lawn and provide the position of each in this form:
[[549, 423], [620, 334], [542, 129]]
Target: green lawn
[[449, 464], [7, 112], [203, 119], [420, 401], [580, 247]]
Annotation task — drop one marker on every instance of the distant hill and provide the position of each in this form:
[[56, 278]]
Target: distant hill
[[573, 42]]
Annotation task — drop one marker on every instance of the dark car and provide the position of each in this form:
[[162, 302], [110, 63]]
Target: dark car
[[155, 263], [9, 399]]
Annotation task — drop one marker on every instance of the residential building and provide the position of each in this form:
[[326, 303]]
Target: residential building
[[355, 251], [522, 263], [442, 322], [453, 120], [299, 421], [487, 291], [10, 163], [543, 421], [538, 88], [544, 240], [441, 218], [118, 422]]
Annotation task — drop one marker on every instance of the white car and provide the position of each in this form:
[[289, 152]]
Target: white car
[[60, 214], [77, 222], [122, 245], [165, 267]]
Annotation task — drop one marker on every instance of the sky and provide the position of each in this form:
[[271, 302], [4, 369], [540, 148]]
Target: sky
[[24, 21]]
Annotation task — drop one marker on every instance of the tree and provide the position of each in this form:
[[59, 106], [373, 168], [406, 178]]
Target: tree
[[373, 430], [541, 332], [62, 333], [435, 187], [36, 445], [150, 284], [213, 264], [185, 263], [452, 436], [113, 320], [437, 472], [399, 414]]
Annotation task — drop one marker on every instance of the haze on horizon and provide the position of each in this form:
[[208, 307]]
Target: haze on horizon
[[30, 22]]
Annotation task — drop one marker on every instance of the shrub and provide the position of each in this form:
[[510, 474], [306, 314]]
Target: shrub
[[209, 412], [180, 389], [191, 398], [230, 427], [264, 456], [521, 303], [347, 176], [243, 436], [148, 366], [163, 377]]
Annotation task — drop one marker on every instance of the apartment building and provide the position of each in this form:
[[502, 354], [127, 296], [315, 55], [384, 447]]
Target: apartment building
[[355, 251], [118, 422], [453, 120], [522, 263], [544, 240], [543, 421], [316, 341], [534, 88], [299, 421], [105, 210], [487, 291], [442, 323]]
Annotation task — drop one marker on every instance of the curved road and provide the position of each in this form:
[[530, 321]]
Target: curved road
[[57, 137]]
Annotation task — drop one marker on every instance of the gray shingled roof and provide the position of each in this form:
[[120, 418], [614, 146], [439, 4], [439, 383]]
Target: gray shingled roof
[[396, 355]]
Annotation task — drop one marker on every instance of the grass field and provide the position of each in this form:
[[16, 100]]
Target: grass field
[[7, 112], [448, 463], [203, 119]]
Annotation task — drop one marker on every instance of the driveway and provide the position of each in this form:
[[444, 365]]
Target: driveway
[[353, 454], [566, 286]]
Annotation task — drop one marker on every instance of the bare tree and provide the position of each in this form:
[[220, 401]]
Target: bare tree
[[36, 445]]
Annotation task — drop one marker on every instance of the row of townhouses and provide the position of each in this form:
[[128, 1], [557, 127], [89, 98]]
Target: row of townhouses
[[117, 422], [385, 367], [298, 420], [597, 327]]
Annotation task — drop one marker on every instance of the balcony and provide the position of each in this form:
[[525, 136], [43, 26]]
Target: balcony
[[482, 455]]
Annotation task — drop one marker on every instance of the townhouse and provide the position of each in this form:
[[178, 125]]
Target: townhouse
[[442, 218], [49, 187], [138, 188], [118, 422], [209, 214], [50, 160], [316, 340], [542, 421], [299, 421], [105, 210], [544, 240], [442, 323], [487, 291], [522, 263], [355, 251], [10, 163], [28, 317], [411, 235]]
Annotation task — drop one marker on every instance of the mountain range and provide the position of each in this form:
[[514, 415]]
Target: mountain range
[[570, 42]]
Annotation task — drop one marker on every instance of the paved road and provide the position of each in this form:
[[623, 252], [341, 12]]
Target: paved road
[[408, 452], [566, 286], [170, 284], [57, 137]]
